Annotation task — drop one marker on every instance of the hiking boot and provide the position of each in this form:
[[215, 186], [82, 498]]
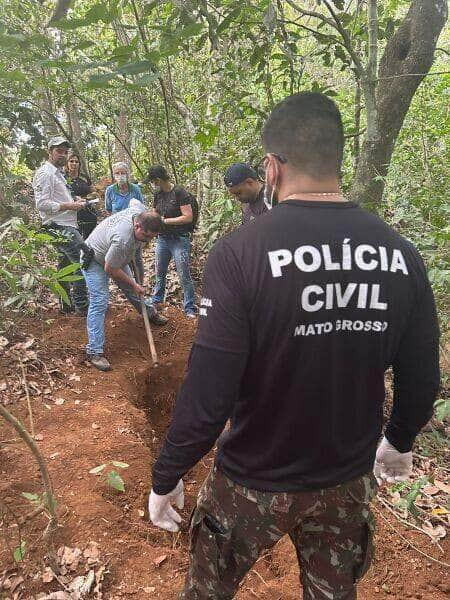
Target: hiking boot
[[191, 315], [154, 317], [99, 362]]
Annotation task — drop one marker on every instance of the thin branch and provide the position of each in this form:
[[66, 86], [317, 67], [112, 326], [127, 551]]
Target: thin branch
[[410, 544], [413, 75], [408, 523], [347, 41], [311, 13], [336, 24], [45, 475], [27, 392], [163, 90], [113, 133]]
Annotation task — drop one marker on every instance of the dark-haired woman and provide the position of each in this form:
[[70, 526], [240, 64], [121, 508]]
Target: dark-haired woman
[[80, 186]]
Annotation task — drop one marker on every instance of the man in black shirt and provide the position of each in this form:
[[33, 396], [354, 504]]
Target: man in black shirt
[[242, 182], [174, 204], [302, 313]]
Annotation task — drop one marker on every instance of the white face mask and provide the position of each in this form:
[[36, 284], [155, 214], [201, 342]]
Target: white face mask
[[120, 178]]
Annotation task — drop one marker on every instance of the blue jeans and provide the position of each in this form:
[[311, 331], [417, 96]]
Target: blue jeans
[[177, 247], [97, 282]]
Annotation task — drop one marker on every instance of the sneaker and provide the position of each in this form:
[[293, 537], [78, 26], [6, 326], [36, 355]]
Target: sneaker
[[99, 362], [191, 315]]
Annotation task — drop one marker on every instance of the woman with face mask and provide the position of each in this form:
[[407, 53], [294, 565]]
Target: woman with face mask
[[80, 185], [117, 198]]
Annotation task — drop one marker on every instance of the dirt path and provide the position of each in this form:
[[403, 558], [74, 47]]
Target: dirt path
[[122, 416]]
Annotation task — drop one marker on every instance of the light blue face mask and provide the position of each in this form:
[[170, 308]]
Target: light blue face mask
[[121, 179]]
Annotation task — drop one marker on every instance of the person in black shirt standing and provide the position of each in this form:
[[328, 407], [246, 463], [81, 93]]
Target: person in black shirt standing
[[242, 182], [174, 204], [80, 186], [302, 313]]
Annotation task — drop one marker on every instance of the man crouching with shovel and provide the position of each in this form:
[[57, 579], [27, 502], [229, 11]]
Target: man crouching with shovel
[[114, 243]]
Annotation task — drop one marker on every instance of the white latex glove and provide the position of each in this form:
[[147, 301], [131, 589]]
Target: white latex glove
[[390, 464], [160, 508]]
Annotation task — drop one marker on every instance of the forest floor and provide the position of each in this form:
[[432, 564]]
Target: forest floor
[[84, 418]]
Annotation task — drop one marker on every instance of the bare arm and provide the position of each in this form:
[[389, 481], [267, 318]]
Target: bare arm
[[119, 275], [185, 218]]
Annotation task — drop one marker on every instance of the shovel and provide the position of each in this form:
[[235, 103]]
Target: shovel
[[148, 329]]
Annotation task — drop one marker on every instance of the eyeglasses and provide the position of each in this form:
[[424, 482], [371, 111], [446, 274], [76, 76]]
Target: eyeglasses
[[261, 166]]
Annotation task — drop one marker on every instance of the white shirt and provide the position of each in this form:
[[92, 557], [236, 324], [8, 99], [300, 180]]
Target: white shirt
[[50, 190]]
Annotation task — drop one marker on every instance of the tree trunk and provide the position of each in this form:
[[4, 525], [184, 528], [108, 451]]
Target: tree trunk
[[46, 111], [123, 133], [407, 59], [73, 121]]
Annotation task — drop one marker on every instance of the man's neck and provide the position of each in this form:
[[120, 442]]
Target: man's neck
[[123, 187], [257, 193], [305, 188]]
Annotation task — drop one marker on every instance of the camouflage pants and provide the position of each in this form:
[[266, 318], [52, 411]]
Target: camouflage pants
[[331, 529]]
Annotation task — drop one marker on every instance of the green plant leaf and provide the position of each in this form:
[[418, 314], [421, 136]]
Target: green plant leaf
[[19, 552], [115, 481], [34, 498], [136, 67], [120, 465], [97, 470], [12, 300]]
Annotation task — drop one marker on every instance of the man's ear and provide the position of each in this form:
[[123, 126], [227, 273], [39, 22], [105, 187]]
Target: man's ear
[[271, 170]]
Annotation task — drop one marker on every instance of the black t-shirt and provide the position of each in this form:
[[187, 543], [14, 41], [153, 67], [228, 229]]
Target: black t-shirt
[[168, 204], [86, 217], [78, 186], [308, 306], [254, 209]]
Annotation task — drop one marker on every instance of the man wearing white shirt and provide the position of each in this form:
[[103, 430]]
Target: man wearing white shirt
[[58, 211]]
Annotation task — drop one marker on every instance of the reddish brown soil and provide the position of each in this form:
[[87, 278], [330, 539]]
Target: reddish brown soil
[[130, 407]]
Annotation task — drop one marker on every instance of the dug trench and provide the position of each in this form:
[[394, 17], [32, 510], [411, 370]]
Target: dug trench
[[86, 419]]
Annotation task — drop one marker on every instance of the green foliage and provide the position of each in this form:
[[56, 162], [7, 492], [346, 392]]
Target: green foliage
[[25, 269], [408, 494], [19, 552], [196, 81], [113, 479]]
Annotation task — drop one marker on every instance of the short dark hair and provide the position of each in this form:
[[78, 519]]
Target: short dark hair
[[306, 129], [157, 172], [150, 221]]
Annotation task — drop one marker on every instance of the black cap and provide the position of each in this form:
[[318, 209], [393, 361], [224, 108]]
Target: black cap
[[237, 173]]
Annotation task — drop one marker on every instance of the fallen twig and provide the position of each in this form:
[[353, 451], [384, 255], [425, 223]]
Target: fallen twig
[[408, 523], [410, 544], [261, 577]]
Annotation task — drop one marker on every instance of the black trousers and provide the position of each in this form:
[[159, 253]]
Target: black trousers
[[69, 244]]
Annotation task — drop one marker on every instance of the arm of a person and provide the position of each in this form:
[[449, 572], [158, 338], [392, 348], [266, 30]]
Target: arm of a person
[[416, 373], [44, 191], [114, 261], [119, 275], [203, 406], [214, 373], [186, 216]]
